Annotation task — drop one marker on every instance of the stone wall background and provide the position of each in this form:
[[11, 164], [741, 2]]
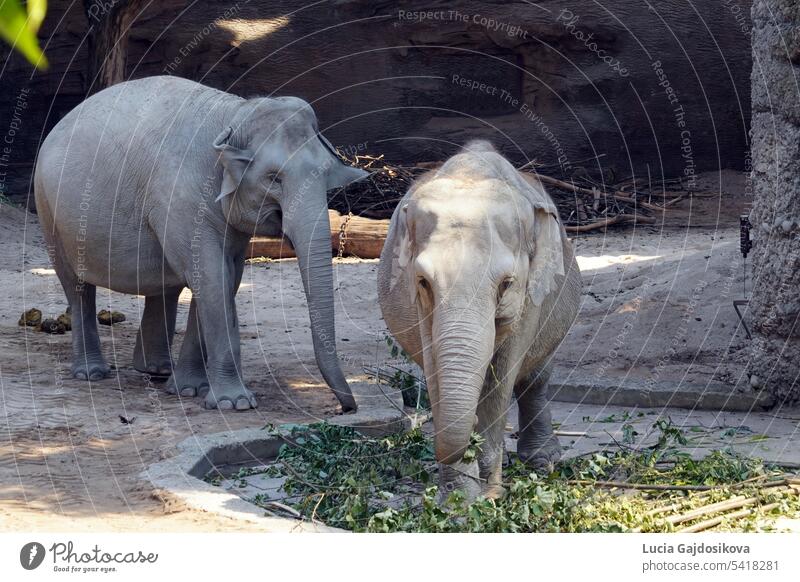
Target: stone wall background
[[386, 82], [775, 355]]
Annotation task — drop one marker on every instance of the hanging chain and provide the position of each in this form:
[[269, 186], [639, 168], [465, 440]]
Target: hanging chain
[[343, 233]]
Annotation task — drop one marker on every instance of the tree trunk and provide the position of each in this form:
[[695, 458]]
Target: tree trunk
[[109, 22], [775, 304]]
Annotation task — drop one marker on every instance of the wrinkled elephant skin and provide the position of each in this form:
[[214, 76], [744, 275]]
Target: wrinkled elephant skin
[[478, 283], [157, 184]]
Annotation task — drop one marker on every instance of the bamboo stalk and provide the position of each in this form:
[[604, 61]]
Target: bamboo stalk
[[643, 486], [284, 508], [684, 502], [715, 521], [733, 503]]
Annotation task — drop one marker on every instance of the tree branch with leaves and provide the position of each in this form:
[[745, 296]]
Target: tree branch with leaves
[[19, 25]]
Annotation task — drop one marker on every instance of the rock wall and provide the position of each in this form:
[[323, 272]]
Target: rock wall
[[618, 88], [775, 305]]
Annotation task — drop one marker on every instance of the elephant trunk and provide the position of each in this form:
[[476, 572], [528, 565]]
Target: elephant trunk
[[463, 350], [307, 225]]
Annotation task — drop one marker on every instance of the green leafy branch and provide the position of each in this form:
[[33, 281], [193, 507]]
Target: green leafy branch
[[18, 27]]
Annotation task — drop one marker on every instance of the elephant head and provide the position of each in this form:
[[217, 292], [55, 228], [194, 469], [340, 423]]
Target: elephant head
[[482, 245], [276, 171]]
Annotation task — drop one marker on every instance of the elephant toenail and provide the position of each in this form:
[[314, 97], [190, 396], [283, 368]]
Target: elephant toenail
[[243, 404], [188, 391], [225, 404]]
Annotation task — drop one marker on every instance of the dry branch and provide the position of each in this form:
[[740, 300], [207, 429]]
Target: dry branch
[[618, 219], [621, 196]]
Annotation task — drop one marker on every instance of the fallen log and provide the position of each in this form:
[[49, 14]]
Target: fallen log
[[356, 236], [351, 236]]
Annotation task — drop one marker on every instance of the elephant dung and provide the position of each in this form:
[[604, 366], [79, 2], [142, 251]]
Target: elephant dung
[[65, 319], [106, 317], [31, 318], [53, 326]]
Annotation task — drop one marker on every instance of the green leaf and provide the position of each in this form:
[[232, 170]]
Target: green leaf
[[629, 434], [36, 11], [19, 27]]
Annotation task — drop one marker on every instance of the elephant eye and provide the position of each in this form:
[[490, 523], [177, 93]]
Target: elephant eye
[[423, 284], [506, 284]]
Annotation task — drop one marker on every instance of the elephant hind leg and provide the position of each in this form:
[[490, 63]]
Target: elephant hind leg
[[538, 445], [87, 358], [152, 352]]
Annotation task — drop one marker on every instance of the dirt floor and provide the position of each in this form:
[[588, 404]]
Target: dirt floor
[[71, 451]]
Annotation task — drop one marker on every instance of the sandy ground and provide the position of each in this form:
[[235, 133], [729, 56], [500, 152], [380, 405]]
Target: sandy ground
[[69, 462]]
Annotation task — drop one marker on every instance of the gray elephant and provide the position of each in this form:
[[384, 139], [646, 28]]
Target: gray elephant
[[158, 184], [479, 284]]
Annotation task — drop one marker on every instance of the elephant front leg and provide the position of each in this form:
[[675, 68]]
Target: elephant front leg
[[189, 377], [492, 412], [538, 445], [216, 306]]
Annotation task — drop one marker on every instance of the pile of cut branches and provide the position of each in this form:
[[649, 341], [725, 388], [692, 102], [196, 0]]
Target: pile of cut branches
[[585, 204], [338, 477], [378, 195]]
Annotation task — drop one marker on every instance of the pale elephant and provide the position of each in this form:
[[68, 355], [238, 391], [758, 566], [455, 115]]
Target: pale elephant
[[479, 284], [158, 184]]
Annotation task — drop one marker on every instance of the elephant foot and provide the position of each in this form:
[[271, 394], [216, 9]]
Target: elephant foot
[[541, 456], [189, 384], [154, 368], [459, 477], [494, 492], [90, 369], [233, 396], [154, 365]]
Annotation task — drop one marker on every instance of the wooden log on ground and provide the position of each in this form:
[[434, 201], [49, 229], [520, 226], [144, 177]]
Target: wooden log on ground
[[351, 236], [272, 247], [356, 236]]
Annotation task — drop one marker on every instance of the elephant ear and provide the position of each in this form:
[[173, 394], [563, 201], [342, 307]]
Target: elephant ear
[[405, 255], [402, 253], [546, 246], [340, 174], [234, 163], [547, 258]]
